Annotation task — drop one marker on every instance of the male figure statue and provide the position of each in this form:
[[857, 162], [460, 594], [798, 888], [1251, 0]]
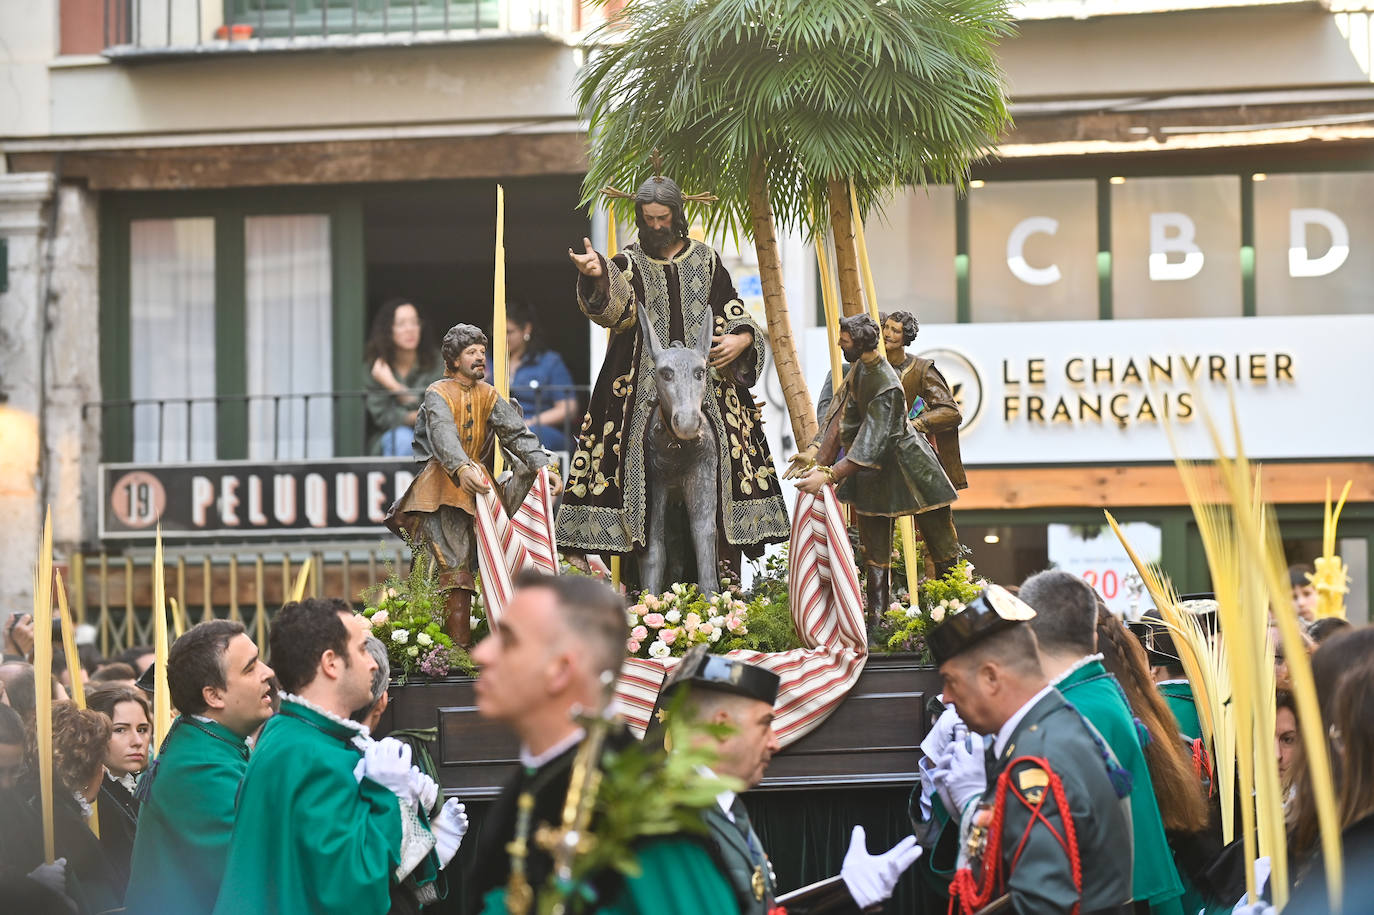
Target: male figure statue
[[929, 403], [459, 424], [887, 471], [682, 287]]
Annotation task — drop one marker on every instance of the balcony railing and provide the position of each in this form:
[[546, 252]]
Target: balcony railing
[[140, 29], [263, 427]]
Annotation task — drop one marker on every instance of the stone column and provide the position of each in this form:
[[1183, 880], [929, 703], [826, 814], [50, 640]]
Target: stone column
[[48, 453]]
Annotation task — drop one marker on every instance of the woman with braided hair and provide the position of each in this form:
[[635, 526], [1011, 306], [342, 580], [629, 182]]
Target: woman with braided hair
[[1182, 803]]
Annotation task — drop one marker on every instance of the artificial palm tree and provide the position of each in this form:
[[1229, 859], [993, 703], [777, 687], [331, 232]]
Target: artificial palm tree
[[776, 106]]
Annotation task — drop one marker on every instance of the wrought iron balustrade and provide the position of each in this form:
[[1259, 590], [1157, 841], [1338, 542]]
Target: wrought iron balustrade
[[135, 29], [262, 427]]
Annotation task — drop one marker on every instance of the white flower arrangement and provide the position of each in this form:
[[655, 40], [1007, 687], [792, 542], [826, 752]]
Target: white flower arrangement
[[413, 651], [400, 636], [423, 639], [673, 616], [659, 650]]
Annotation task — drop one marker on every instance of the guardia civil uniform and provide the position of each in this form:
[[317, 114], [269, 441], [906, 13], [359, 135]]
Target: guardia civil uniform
[[1051, 831], [186, 819]]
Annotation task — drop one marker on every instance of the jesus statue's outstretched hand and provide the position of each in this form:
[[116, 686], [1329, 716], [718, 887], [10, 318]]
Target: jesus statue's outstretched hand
[[587, 263]]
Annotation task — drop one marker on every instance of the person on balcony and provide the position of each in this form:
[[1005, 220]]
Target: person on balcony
[[539, 379], [402, 361]]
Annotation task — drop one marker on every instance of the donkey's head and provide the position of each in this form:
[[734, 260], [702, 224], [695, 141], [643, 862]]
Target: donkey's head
[[680, 377]]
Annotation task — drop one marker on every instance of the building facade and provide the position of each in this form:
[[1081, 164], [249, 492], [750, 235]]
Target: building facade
[[203, 204]]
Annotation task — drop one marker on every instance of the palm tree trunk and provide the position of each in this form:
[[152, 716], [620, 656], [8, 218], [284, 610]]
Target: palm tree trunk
[[798, 399], [846, 254]]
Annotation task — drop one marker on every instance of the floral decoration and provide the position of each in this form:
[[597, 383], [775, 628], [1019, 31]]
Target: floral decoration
[[407, 614]]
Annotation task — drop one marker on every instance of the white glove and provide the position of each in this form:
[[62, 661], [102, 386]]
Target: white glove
[[871, 878], [961, 777], [51, 876], [449, 826], [946, 729], [426, 789], [387, 762]]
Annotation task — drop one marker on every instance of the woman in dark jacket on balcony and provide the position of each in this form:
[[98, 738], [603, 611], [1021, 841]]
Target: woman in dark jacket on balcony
[[402, 361]]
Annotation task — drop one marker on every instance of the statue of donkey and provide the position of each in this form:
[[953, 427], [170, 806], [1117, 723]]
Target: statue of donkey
[[682, 461]]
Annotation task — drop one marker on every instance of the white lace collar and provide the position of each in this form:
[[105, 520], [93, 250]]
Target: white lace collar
[[1075, 667], [84, 804], [361, 739], [128, 780]]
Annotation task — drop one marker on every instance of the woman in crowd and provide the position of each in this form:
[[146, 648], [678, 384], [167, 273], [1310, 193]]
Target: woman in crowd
[[539, 379], [80, 741], [1351, 730], [1183, 804], [1285, 739], [402, 361], [126, 756]]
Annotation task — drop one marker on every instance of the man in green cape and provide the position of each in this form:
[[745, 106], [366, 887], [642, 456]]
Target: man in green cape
[[222, 690], [1065, 625], [558, 647], [328, 819]]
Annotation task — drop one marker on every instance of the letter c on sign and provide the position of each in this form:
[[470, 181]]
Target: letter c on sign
[[1016, 243]]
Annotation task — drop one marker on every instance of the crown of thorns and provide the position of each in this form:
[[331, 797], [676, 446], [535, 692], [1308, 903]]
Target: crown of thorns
[[657, 178]]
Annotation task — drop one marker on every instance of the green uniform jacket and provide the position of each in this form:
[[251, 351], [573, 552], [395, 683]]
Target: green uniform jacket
[[1178, 695], [1038, 874], [738, 862], [185, 824], [1096, 694], [899, 473], [309, 836], [677, 877]]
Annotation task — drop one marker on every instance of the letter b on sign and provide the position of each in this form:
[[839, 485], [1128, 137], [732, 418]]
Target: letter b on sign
[[1173, 233]]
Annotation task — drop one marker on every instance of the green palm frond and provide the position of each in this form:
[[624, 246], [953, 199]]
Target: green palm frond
[[883, 92]]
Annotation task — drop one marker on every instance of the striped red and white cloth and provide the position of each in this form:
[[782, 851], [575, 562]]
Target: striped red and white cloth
[[507, 546], [823, 589]]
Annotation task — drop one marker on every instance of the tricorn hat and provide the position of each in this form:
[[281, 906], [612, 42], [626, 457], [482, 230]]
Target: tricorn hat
[[717, 673], [995, 609], [1157, 641]]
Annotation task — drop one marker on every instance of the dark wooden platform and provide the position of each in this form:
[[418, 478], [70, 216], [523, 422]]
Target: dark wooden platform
[[871, 739]]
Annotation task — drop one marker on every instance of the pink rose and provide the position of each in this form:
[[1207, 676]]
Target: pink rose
[[632, 646], [691, 622], [654, 620], [667, 636], [639, 633], [706, 629]]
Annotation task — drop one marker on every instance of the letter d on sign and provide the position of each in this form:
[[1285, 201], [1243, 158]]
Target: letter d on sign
[[1162, 244], [1016, 244], [1299, 264]]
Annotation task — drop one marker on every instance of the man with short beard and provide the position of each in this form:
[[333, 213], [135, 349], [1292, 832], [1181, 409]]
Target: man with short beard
[[220, 686], [887, 469], [682, 285], [733, 701], [459, 424]]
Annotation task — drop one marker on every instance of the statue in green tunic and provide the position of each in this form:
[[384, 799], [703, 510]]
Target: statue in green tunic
[[888, 470], [223, 693], [1066, 627]]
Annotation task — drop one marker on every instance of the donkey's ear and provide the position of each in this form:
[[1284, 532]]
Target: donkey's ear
[[647, 332], [708, 328]]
